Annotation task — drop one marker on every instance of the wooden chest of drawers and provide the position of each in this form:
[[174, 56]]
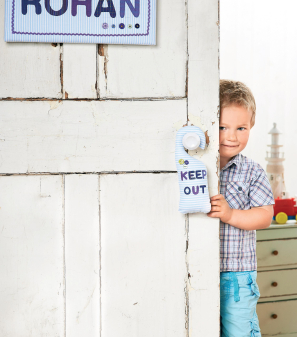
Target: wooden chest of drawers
[[277, 280]]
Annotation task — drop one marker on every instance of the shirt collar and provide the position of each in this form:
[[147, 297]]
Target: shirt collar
[[235, 160]]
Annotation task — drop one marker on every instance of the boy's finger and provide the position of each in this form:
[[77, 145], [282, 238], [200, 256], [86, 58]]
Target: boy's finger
[[215, 209], [213, 214], [217, 197], [215, 202], [214, 197]]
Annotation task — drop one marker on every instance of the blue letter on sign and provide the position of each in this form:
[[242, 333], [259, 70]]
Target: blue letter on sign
[[87, 3], [56, 13], [36, 3], [134, 10], [110, 8]]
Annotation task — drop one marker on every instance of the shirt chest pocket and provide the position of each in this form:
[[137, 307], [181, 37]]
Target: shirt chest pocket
[[237, 194]]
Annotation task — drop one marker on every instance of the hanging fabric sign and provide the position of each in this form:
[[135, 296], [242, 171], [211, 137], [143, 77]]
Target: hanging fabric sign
[[81, 21]]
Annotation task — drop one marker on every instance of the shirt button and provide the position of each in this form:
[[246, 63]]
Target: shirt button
[[239, 188]]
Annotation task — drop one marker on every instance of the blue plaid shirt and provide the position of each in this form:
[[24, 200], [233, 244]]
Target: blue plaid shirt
[[244, 184]]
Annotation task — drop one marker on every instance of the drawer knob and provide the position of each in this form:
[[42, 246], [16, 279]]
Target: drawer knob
[[274, 284], [274, 316], [275, 252]]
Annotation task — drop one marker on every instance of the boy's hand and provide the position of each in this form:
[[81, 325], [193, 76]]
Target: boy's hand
[[220, 208]]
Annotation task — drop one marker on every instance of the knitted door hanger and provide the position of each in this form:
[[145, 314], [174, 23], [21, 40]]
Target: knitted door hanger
[[192, 174]]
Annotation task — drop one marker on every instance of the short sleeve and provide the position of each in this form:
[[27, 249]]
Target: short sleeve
[[260, 189]]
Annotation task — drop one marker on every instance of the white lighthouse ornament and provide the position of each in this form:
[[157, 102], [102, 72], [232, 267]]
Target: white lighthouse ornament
[[275, 168]]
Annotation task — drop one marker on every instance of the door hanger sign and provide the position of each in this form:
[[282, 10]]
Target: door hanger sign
[[81, 21]]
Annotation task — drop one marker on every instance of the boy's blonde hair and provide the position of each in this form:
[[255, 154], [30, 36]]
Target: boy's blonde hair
[[235, 92]]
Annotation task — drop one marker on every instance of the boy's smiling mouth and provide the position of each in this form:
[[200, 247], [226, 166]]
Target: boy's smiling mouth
[[230, 145]]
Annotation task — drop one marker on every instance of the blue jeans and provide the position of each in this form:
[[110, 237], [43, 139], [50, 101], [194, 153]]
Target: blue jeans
[[239, 296]]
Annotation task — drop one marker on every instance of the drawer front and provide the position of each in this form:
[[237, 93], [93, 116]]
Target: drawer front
[[277, 282], [276, 252], [277, 232], [284, 323]]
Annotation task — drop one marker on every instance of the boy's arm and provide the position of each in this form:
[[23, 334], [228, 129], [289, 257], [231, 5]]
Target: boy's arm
[[258, 216], [254, 218]]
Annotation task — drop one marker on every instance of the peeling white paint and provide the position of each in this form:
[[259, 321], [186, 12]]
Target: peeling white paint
[[179, 124], [54, 104], [196, 120]]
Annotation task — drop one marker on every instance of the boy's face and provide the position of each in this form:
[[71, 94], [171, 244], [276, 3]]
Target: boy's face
[[235, 125]]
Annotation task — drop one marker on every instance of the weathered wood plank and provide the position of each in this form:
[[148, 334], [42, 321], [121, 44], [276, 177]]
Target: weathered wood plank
[[28, 70], [89, 136], [149, 71], [79, 70], [31, 256], [82, 255], [203, 100], [143, 256]]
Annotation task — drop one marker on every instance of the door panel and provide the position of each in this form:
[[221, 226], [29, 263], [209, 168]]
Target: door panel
[[28, 70], [72, 136], [82, 249], [149, 71], [143, 263], [79, 70], [31, 256]]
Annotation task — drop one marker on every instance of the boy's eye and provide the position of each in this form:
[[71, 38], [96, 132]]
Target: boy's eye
[[222, 127], [242, 128]]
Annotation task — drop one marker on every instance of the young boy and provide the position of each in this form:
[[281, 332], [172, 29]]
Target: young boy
[[244, 205]]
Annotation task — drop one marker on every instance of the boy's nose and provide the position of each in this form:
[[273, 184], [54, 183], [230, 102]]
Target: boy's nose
[[231, 136]]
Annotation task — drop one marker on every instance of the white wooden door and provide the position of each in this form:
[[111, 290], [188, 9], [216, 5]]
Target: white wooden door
[[91, 240]]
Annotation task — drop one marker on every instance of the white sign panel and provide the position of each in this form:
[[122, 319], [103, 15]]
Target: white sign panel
[[81, 21]]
